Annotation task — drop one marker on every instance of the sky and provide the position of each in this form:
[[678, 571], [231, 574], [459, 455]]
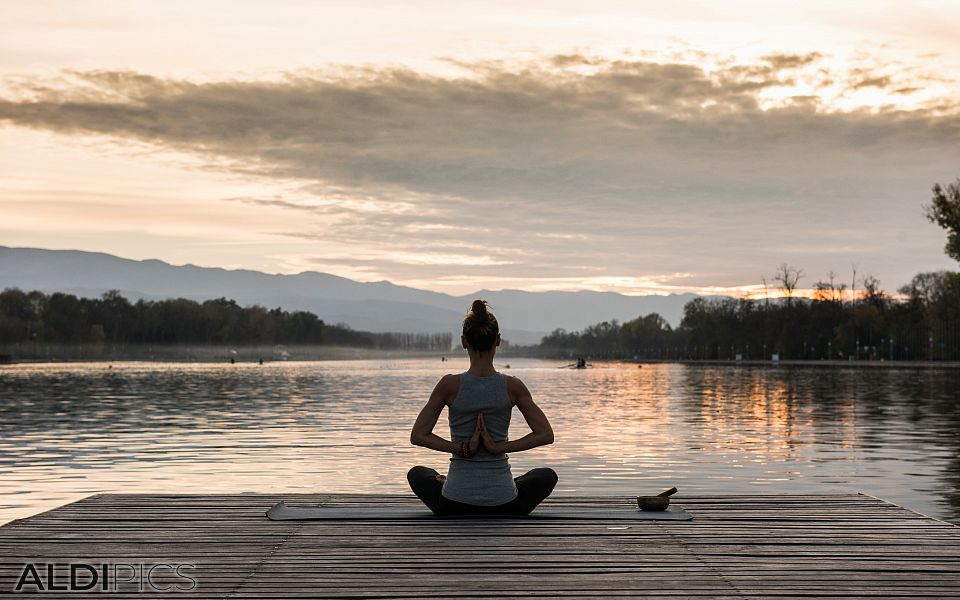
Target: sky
[[635, 146]]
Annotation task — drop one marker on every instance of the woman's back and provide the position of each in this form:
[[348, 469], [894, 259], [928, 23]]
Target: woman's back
[[484, 479], [487, 395]]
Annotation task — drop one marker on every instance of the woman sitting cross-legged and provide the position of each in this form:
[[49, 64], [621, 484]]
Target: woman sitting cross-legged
[[480, 402]]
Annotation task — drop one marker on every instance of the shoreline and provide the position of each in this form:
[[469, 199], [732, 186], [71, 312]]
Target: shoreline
[[336, 353], [217, 354], [873, 364]]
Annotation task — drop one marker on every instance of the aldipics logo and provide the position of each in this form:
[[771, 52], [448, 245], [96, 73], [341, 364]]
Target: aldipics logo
[[106, 577]]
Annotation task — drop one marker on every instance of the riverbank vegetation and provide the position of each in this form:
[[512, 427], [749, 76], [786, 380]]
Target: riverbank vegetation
[[922, 324], [32, 322]]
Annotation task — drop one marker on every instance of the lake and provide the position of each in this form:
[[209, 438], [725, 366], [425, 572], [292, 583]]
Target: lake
[[70, 430]]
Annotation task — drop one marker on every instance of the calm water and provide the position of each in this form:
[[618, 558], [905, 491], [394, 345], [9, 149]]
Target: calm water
[[67, 431]]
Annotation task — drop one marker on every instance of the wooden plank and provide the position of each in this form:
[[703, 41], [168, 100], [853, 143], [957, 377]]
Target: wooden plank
[[848, 545]]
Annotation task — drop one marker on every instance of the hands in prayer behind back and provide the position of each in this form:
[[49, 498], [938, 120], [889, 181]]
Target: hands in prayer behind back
[[482, 437], [493, 447], [474, 444]]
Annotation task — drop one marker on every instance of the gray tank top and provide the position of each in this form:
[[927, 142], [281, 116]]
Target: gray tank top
[[484, 479]]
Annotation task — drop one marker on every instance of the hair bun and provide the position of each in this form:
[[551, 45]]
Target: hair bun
[[480, 327], [479, 307]]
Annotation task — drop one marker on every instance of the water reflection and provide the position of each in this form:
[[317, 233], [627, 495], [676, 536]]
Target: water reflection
[[343, 426]]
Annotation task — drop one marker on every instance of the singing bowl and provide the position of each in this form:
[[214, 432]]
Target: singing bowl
[[653, 502]]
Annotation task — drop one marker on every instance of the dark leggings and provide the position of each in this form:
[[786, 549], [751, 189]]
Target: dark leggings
[[532, 488]]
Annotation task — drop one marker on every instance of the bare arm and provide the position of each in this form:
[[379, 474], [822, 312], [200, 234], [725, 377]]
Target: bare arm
[[541, 433], [422, 433]]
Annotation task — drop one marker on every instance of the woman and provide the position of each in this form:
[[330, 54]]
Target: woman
[[479, 403]]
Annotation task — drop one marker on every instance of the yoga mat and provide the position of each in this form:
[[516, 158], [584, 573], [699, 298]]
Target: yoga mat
[[282, 512]]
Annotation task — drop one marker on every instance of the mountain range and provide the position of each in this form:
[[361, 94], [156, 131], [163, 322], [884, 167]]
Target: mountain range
[[373, 306]]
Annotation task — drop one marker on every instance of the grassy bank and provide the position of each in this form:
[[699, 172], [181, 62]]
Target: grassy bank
[[198, 353], [893, 364]]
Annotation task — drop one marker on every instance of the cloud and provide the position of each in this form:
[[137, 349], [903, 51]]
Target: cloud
[[536, 131], [540, 159], [791, 61], [877, 82]]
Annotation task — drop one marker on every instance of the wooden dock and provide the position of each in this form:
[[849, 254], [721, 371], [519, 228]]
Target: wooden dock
[[736, 546]]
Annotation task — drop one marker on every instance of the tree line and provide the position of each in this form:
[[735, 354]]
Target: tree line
[[859, 321], [57, 318], [925, 325]]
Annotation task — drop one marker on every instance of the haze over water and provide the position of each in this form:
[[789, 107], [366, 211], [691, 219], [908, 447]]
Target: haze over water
[[70, 430]]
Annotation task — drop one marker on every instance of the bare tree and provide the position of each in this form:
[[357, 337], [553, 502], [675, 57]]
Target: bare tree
[[823, 291], [871, 288], [853, 283], [829, 291], [837, 288], [787, 277]]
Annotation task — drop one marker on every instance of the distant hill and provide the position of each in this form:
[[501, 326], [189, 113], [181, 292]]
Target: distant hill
[[375, 306]]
